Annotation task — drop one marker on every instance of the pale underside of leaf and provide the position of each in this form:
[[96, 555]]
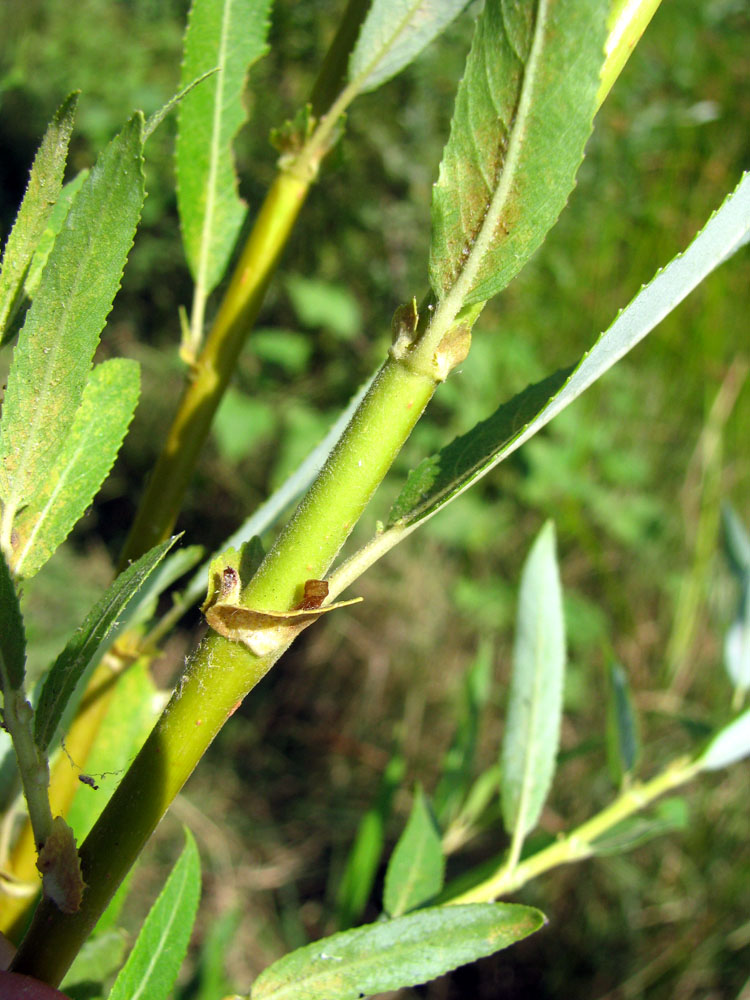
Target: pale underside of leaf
[[522, 117], [393, 34], [535, 701]]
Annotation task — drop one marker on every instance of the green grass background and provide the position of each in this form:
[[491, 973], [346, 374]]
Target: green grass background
[[276, 804]]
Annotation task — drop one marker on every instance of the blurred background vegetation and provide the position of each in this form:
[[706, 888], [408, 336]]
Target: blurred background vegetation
[[633, 475]]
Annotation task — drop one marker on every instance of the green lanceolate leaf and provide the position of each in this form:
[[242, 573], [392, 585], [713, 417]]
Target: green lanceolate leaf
[[522, 117], [417, 867], [52, 360], [45, 182], [667, 816], [732, 743], [736, 541], [81, 651], [54, 225], [444, 476], [12, 634], [153, 964], [88, 453], [536, 688], [393, 34], [623, 744], [397, 953], [229, 36]]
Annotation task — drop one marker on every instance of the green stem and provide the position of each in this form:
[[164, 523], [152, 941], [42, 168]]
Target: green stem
[[223, 672], [580, 843], [33, 766], [210, 374]]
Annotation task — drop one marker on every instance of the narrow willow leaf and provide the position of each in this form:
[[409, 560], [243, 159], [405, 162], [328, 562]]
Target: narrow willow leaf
[[364, 857], [522, 117], [397, 953], [228, 36], [47, 240], [81, 651], [732, 743], [153, 964], [536, 688], [737, 644], [446, 475], [52, 359], [12, 634], [417, 867], [668, 816], [87, 455], [45, 182], [623, 744], [393, 34]]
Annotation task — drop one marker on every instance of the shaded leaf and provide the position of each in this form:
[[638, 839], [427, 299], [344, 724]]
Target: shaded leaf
[[42, 192], [364, 857], [12, 635], [95, 963], [532, 730], [417, 867], [736, 541], [226, 35], [459, 760], [153, 964], [445, 476], [393, 34], [52, 360], [81, 651], [396, 953], [623, 745], [87, 455], [667, 816], [731, 744], [522, 117]]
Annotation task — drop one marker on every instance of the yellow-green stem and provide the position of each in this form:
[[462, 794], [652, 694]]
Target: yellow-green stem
[[579, 844]]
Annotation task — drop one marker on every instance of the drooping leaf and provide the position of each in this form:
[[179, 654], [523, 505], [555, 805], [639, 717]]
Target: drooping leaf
[[87, 455], [446, 475], [52, 360], [623, 744], [12, 634], [229, 36], [81, 651], [397, 953], [732, 743], [45, 182], [667, 816], [393, 34], [536, 688], [522, 117], [362, 862], [417, 867], [153, 964]]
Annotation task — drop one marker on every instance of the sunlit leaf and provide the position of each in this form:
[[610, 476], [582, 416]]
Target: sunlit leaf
[[45, 183], [154, 962], [395, 953], [87, 455], [732, 743]]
